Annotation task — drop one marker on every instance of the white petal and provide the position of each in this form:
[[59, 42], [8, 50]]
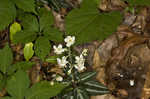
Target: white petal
[[59, 78], [54, 47], [131, 82], [58, 60], [59, 46], [73, 38]]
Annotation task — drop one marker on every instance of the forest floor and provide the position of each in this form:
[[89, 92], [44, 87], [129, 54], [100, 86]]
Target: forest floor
[[122, 60]]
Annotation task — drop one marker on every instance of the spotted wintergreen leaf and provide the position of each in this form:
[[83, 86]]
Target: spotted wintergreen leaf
[[87, 75], [80, 93], [93, 87]]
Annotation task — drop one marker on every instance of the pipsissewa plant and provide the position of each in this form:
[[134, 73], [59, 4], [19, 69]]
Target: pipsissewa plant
[[82, 84]]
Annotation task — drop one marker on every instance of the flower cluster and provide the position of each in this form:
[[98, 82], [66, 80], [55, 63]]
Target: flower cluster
[[68, 61]]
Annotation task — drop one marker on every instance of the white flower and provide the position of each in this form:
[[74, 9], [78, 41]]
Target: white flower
[[84, 52], [131, 82], [62, 62], [59, 78], [70, 40], [51, 83], [59, 49], [79, 63], [79, 67]]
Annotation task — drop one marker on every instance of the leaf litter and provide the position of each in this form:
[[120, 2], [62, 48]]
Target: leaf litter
[[121, 57]]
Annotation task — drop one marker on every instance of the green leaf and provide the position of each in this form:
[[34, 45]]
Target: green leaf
[[26, 5], [6, 97], [139, 2], [53, 34], [46, 18], [95, 88], [14, 28], [7, 13], [87, 76], [43, 90], [69, 95], [2, 82], [52, 59], [29, 22], [46, 22], [18, 84], [88, 24], [6, 58], [30, 29], [81, 94], [42, 47], [24, 65], [24, 37], [28, 51]]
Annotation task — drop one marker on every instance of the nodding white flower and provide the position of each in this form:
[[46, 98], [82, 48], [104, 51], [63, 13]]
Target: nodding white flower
[[79, 63], [52, 83], [62, 62], [59, 78], [70, 40], [84, 52], [59, 49], [131, 82]]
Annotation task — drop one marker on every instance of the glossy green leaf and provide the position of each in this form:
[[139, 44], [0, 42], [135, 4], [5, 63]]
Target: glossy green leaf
[[69, 95], [6, 58], [95, 88], [87, 76], [42, 47], [43, 90], [23, 65], [14, 28], [28, 51], [26, 5], [88, 24], [81, 94], [7, 13], [24, 37], [18, 84]]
